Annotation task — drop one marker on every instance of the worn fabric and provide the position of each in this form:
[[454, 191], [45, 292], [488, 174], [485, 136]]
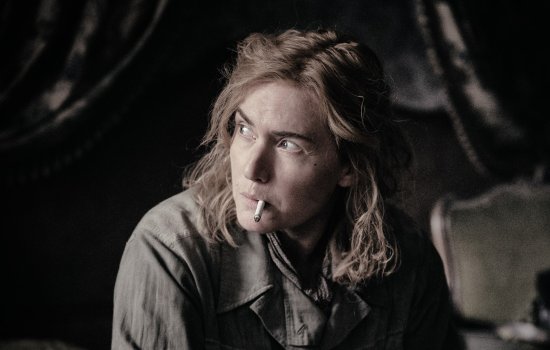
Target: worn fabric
[[177, 290], [320, 292]]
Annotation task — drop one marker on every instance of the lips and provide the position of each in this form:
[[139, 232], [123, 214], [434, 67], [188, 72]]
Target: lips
[[250, 196], [251, 200]]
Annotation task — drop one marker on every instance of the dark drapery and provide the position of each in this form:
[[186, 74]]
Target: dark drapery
[[68, 70], [493, 61]]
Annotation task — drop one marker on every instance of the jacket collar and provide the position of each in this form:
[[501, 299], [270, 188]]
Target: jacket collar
[[247, 275], [245, 271]]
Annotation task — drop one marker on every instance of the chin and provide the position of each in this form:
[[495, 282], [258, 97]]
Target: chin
[[249, 224]]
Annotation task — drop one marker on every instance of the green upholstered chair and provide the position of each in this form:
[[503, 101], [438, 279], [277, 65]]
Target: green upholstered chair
[[492, 247]]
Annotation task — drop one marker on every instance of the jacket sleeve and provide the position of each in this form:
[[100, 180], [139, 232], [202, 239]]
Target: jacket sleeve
[[156, 303], [430, 324]]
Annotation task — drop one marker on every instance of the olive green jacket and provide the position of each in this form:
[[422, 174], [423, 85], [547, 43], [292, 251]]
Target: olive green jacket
[[176, 290]]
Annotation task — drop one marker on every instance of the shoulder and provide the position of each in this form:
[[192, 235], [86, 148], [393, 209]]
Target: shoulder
[[419, 288], [168, 247], [171, 231], [416, 250], [168, 270], [420, 268], [172, 222]]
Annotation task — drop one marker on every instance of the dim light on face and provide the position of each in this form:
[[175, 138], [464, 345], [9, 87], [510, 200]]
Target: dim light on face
[[283, 154]]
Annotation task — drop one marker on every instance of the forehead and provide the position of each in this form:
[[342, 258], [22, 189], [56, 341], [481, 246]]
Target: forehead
[[283, 104]]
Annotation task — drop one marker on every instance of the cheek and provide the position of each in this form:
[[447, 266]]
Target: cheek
[[234, 160], [234, 172], [310, 185]]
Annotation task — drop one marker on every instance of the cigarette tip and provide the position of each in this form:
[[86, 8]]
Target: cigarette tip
[[259, 210]]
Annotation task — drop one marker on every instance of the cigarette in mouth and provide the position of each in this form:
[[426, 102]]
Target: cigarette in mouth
[[259, 210]]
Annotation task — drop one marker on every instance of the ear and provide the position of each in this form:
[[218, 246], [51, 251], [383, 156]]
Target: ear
[[346, 177]]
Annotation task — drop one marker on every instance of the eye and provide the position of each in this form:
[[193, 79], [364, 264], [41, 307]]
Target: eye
[[245, 131], [289, 146]]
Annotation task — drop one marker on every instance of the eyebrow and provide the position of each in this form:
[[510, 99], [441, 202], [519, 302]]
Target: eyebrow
[[281, 133]]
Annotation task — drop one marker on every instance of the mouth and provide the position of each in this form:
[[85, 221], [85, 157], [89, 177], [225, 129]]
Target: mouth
[[252, 200]]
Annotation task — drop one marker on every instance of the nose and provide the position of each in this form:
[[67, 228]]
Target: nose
[[257, 167]]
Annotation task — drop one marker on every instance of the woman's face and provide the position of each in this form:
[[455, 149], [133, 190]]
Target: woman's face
[[282, 153]]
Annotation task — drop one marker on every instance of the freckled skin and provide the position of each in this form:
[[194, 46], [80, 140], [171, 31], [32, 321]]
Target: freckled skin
[[297, 178]]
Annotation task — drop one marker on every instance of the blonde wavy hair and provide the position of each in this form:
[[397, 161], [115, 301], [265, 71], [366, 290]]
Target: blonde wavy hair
[[347, 80]]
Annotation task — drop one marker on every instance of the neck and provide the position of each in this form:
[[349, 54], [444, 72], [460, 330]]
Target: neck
[[306, 249]]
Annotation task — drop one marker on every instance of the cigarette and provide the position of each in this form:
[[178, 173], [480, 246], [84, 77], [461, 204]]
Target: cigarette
[[259, 210]]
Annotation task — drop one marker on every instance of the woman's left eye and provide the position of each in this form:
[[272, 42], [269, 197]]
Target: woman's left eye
[[289, 146]]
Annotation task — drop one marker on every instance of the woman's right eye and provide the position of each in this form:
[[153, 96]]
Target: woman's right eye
[[245, 131]]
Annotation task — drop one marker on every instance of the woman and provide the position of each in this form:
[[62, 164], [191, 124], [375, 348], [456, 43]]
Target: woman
[[284, 238]]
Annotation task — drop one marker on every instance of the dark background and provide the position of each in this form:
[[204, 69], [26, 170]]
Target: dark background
[[78, 176]]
